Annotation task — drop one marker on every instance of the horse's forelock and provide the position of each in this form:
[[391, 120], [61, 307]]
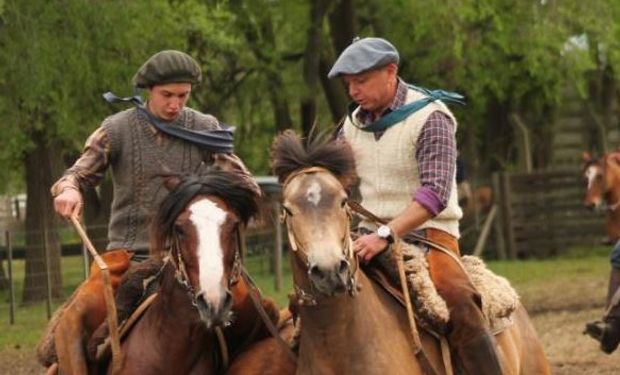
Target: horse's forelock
[[289, 153], [229, 187]]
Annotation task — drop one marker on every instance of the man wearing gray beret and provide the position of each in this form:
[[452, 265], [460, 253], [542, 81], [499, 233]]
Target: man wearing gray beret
[[140, 144], [404, 140]]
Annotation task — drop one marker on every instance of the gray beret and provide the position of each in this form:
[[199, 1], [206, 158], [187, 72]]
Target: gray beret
[[168, 67], [364, 54]]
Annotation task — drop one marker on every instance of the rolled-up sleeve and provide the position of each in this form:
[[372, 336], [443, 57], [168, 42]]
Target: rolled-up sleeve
[[436, 157]]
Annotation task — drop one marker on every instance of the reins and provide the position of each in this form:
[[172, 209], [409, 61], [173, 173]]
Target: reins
[[108, 296], [418, 350]]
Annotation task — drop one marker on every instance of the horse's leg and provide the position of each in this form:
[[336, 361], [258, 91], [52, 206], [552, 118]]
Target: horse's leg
[[52, 370]]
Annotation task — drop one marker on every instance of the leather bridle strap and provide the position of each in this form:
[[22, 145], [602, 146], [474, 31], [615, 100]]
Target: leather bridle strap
[[255, 296]]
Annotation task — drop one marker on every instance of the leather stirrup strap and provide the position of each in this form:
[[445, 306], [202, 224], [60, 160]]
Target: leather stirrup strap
[[255, 296]]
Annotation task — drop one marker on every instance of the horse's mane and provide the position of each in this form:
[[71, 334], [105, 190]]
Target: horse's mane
[[228, 186], [289, 153]]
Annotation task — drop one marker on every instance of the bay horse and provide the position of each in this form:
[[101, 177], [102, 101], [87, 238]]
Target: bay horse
[[602, 177], [201, 283], [350, 325]]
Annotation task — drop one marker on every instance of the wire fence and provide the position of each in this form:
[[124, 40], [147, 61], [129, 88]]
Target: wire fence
[[32, 275]]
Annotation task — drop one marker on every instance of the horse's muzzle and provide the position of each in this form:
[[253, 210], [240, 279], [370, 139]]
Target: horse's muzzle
[[215, 314], [330, 280]]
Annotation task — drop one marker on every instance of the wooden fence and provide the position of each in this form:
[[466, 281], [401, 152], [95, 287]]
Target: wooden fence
[[542, 214]]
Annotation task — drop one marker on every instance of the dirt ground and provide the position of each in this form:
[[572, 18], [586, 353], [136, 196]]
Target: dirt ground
[[558, 313]]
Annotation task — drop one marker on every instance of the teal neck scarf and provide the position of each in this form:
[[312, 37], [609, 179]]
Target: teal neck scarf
[[406, 110]]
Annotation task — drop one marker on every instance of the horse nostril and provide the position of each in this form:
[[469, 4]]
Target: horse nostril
[[315, 271], [344, 266], [228, 300]]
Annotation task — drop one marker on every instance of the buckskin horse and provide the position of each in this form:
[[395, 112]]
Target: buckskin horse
[[202, 283], [602, 177], [350, 325]]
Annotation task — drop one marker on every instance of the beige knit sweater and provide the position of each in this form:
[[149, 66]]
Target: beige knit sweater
[[388, 168]]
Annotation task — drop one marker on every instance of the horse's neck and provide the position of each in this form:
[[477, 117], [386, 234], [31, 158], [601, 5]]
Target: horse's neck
[[247, 325], [173, 309], [362, 334], [170, 337]]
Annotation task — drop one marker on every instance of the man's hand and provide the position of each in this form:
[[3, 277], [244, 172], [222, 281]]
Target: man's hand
[[69, 203], [369, 245]]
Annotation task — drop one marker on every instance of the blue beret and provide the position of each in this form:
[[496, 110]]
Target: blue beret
[[364, 54]]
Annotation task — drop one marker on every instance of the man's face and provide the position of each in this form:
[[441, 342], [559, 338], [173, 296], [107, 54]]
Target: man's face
[[166, 101], [373, 90]]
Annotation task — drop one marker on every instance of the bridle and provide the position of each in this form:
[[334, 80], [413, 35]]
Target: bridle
[[305, 297], [180, 270]]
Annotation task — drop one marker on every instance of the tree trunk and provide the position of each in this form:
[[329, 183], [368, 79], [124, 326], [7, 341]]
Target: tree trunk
[[254, 35], [312, 55], [42, 246], [334, 92], [343, 24]]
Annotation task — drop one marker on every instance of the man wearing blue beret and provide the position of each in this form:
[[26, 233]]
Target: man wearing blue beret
[[404, 141]]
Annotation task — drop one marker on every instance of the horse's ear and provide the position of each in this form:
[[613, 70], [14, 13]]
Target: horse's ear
[[586, 157], [171, 181]]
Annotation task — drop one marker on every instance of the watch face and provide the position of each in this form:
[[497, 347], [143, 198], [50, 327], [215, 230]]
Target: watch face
[[384, 231]]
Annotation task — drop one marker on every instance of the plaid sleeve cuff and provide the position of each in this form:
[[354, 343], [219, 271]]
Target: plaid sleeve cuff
[[428, 199]]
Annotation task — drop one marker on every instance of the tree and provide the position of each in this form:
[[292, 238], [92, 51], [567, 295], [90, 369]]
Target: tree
[[57, 57]]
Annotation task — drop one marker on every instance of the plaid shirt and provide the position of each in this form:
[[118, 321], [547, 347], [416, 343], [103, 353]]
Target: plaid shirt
[[435, 153]]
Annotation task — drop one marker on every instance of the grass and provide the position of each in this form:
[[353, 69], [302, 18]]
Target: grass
[[30, 320], [530, 278]]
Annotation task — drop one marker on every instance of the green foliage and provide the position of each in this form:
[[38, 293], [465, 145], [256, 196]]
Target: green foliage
[[57, 57]]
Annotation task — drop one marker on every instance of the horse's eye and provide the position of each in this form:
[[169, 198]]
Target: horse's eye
[[178, 230], [344, 202], [287, 210]]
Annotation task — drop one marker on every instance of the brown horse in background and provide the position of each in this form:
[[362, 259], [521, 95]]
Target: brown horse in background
[[349, 325], [602, 177], [196, 233]]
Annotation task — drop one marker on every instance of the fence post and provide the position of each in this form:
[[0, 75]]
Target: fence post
[[498, 226], [508, 225], [48, 280], [9, 249], [278, 247]]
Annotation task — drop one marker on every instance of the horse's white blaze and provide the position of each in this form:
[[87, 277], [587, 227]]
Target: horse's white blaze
[[208, 219], [591, 173], [313, 194]]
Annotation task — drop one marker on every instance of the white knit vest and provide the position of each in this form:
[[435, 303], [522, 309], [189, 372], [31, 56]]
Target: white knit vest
[[388, 168]]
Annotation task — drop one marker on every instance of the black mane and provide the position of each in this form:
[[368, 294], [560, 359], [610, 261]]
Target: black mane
[[289, 153], [228, 186]]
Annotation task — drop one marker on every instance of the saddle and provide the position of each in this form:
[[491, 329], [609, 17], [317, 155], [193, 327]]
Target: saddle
[[499, 299], [135, 285]]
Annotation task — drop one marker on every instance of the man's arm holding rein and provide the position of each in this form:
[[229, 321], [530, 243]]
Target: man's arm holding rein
[[87, 171]]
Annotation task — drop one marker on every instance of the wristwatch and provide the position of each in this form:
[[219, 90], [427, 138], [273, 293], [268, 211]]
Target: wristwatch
[[385, 232]]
